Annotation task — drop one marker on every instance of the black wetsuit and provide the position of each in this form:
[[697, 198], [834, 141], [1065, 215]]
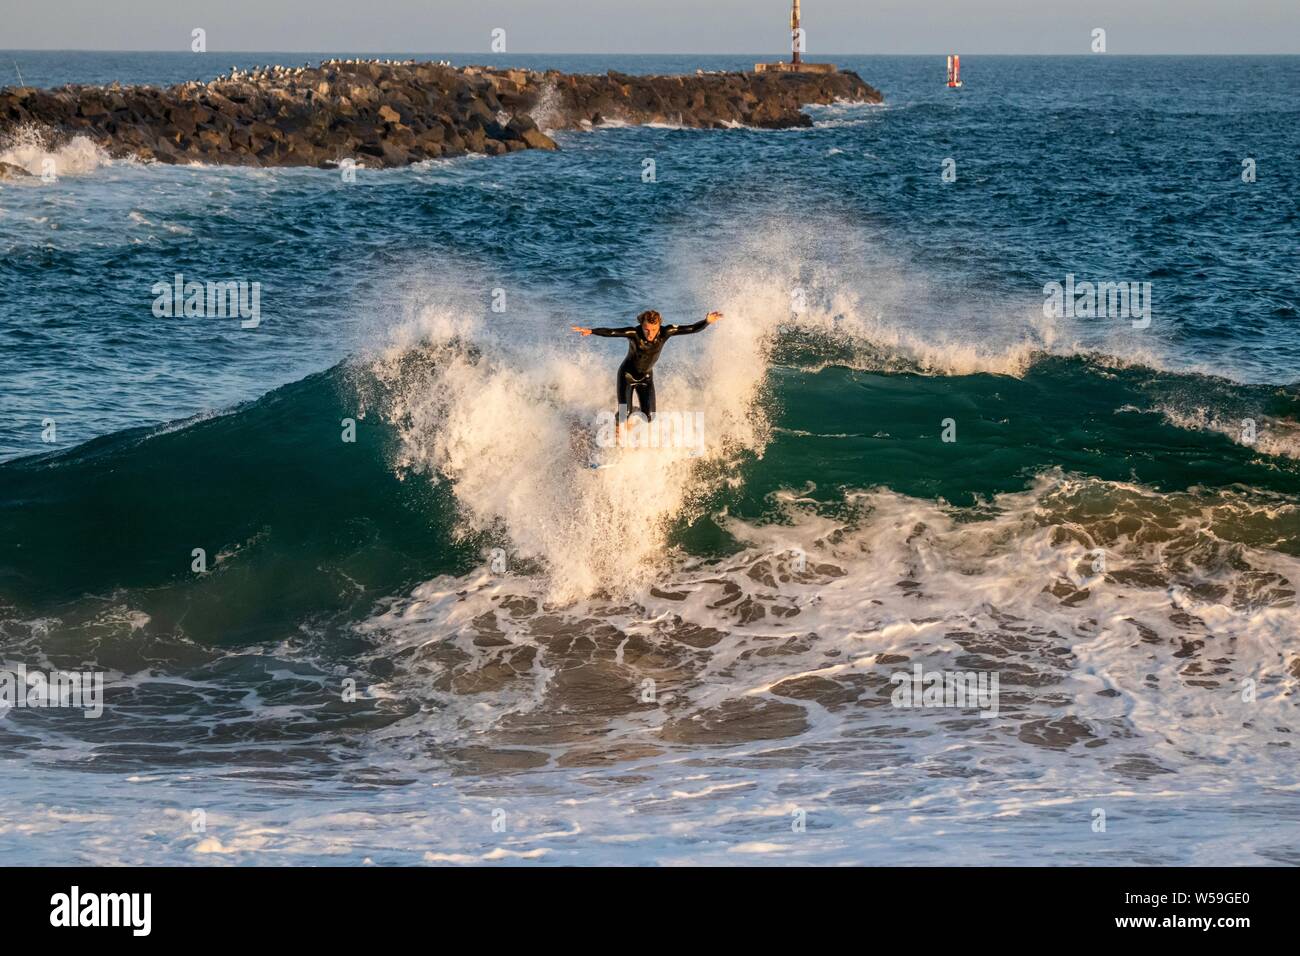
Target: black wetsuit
[[637, 371]]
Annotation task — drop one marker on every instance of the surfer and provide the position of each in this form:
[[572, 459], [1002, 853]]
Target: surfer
[[645, 341]]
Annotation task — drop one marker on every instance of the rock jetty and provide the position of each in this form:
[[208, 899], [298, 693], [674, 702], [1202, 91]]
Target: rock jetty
[[387, 113]]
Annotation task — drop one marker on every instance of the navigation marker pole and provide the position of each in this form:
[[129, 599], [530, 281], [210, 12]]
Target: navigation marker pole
[[795, 57]]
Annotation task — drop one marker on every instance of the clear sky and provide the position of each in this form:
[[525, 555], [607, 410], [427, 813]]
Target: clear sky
[[666, 26]]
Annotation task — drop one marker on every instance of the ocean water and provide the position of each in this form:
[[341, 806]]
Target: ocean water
[[687, 657]]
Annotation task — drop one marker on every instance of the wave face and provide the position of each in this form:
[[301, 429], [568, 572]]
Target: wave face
[[294, 523], [481, 438], [693, 655]]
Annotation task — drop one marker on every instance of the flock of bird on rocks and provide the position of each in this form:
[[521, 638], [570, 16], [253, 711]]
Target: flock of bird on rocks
[[263, 72]]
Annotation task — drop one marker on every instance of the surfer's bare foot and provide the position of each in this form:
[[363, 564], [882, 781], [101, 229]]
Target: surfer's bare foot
[[713, 316]]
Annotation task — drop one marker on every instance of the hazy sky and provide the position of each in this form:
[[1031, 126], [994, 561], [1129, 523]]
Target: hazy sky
[[668, 26]]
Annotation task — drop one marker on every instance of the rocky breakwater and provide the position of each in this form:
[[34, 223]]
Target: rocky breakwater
[[395, 113]]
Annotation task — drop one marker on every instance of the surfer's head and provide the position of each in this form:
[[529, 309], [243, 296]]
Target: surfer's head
[[650, 320]]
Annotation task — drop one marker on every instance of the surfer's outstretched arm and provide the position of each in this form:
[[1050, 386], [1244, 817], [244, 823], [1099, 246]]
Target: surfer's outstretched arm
[[607, 333], [699, 326]]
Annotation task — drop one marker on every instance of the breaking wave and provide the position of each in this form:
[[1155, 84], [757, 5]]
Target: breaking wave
[[35, 150]]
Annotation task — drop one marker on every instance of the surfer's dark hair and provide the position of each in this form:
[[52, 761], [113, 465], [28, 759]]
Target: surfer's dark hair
[[650, 316]]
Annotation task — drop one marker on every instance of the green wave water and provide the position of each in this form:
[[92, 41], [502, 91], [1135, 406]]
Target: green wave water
[[299, 525]]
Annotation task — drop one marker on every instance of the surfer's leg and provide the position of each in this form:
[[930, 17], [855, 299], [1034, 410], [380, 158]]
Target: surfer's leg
[[645, 396], [623, 389], [623, 393]]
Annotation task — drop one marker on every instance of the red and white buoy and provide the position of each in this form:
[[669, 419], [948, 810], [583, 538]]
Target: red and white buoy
[[954, 71]]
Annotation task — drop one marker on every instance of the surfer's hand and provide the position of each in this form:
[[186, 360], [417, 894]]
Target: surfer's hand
[[580, 329], [713, 316]]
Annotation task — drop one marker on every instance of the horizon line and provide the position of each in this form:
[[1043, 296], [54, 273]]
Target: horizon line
[[602, 53]]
